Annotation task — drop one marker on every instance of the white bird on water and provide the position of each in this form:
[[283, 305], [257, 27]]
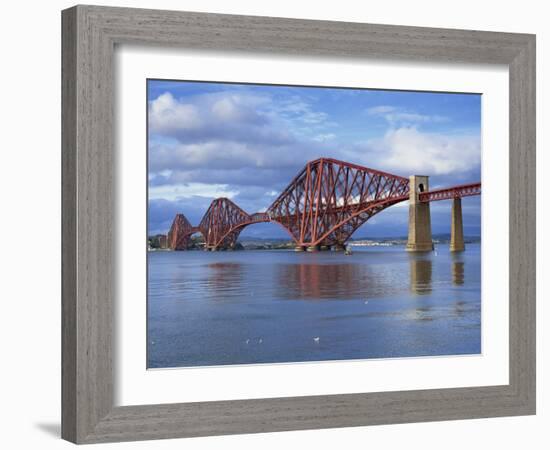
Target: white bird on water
[[316, 339], [260, 341], [247, 341]]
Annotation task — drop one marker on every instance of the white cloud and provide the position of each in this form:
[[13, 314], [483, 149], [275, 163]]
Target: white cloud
[[167, 114], [410, 151], [228, 155], [395, 115], [380, 110], [232, 107], [227, 115], [324, 137], [225, 109], [188, 190], [296, 109]]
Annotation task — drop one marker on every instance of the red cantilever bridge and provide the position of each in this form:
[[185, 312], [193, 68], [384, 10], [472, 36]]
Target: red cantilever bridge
[[321, 207]]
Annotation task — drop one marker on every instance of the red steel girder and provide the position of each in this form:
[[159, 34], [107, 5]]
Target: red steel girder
[[329, 199], [463, 190], [180, 232], [222, 224]]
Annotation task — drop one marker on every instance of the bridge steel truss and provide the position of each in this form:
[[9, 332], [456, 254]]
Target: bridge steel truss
[[463, 190], [321, 207], [223, 222], [180, 233], [329, 199]]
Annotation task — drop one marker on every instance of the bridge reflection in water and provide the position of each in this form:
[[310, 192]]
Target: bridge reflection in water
[[458, 269], [301, 281], [308, 281], [420, 274], [458, 273], [224, 277], [325, 281]]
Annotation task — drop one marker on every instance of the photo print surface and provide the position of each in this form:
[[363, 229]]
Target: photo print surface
[[297, 224]]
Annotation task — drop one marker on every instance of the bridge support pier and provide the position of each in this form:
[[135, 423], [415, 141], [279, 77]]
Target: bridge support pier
[[457, 230], [339, 247], [313, 248], [420, 225], [299, 248]]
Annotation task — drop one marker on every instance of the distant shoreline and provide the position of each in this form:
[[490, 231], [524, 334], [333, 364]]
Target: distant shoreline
[[267, 244]]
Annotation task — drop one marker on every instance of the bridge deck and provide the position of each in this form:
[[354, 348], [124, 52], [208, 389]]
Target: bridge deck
[[464, 190]]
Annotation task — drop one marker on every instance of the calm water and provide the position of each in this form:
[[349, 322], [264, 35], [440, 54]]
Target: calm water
[[244, 307]]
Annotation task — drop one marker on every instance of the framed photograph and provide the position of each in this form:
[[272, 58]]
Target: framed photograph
[[278, 224]]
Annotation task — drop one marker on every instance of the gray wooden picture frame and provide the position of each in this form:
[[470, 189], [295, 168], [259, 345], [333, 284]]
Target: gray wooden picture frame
[[90, 34]]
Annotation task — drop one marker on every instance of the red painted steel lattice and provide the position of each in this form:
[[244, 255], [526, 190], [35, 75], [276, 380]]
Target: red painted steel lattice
[[322, 206], [223, 222], [179, 234], [463, 190], [330, 199]]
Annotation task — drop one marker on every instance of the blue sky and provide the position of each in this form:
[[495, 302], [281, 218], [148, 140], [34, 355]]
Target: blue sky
[[247, 142]]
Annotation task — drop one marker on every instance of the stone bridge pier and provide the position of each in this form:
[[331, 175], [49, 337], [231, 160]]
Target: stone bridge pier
[[420, 224], [457, 230]]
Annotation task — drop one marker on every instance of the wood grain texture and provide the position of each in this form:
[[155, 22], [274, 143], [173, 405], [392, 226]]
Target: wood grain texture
[[68, 227], [89, 36]]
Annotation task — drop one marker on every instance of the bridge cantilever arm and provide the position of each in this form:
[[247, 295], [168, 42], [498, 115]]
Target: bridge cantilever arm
[[463, 190]]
